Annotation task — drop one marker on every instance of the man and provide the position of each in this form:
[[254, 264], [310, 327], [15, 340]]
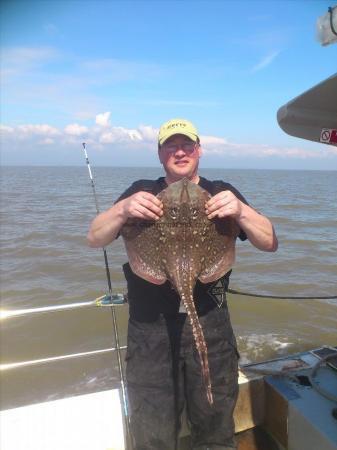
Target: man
[[163, 369]]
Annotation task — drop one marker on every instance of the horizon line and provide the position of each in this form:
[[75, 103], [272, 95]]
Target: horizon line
[[159, 167]]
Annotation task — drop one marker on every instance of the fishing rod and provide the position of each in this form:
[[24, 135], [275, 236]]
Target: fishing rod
[[112, 298]]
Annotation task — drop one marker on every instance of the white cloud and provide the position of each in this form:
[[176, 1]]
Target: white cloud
[[266, 61], [101, 134], [39, 129], [332, 150], [210, 141], [27, 55], [107, 137], [18, 61], [134, 135], [222, 147], [148, 133], [6, 129], [120, 134], [74, 129], [103, 119], [47, 141]]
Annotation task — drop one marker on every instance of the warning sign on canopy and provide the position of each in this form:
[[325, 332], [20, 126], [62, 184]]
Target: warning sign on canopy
[[329, 136]]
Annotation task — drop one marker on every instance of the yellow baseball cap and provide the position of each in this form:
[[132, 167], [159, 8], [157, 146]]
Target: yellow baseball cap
[[177, 126]]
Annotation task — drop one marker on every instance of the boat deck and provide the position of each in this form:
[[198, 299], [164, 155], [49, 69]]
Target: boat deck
[[278, 408]]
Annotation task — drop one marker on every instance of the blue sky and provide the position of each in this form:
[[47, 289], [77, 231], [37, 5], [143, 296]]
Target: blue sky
[[110, 72]]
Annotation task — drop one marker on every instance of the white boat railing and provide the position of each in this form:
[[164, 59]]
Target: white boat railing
[[104, 300], [56, 358]]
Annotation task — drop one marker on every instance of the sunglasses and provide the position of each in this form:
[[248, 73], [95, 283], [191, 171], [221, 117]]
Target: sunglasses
[[188, 148]]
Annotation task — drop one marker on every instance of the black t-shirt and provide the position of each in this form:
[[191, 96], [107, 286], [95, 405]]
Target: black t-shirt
[[147, 300]]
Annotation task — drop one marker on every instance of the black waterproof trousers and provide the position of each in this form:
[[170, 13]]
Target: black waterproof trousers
[[163, 373]]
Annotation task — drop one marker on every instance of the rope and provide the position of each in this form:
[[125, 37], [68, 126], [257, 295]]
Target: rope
[[315, 384], [293, 376], [285, 297]]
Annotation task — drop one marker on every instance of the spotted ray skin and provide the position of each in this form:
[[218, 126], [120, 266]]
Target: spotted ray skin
[[183, 246]]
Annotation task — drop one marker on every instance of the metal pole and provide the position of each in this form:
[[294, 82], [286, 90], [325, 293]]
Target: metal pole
[[128, 443]]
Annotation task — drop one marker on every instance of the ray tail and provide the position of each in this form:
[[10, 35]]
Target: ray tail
[[185, 292]]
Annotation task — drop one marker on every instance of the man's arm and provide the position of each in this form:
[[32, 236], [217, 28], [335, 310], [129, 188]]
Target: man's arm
[[258, 228], [105, 227]]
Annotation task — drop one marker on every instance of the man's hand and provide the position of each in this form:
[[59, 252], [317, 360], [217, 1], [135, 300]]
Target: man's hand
[[257, 227], [224, 204], [142, 205], [105, 227]]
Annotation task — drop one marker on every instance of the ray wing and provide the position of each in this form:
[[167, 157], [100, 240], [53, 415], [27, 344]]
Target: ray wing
[[218, 253], [144, 246]]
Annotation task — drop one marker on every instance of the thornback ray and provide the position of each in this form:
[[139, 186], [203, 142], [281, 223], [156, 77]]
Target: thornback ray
[[182, 247]]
